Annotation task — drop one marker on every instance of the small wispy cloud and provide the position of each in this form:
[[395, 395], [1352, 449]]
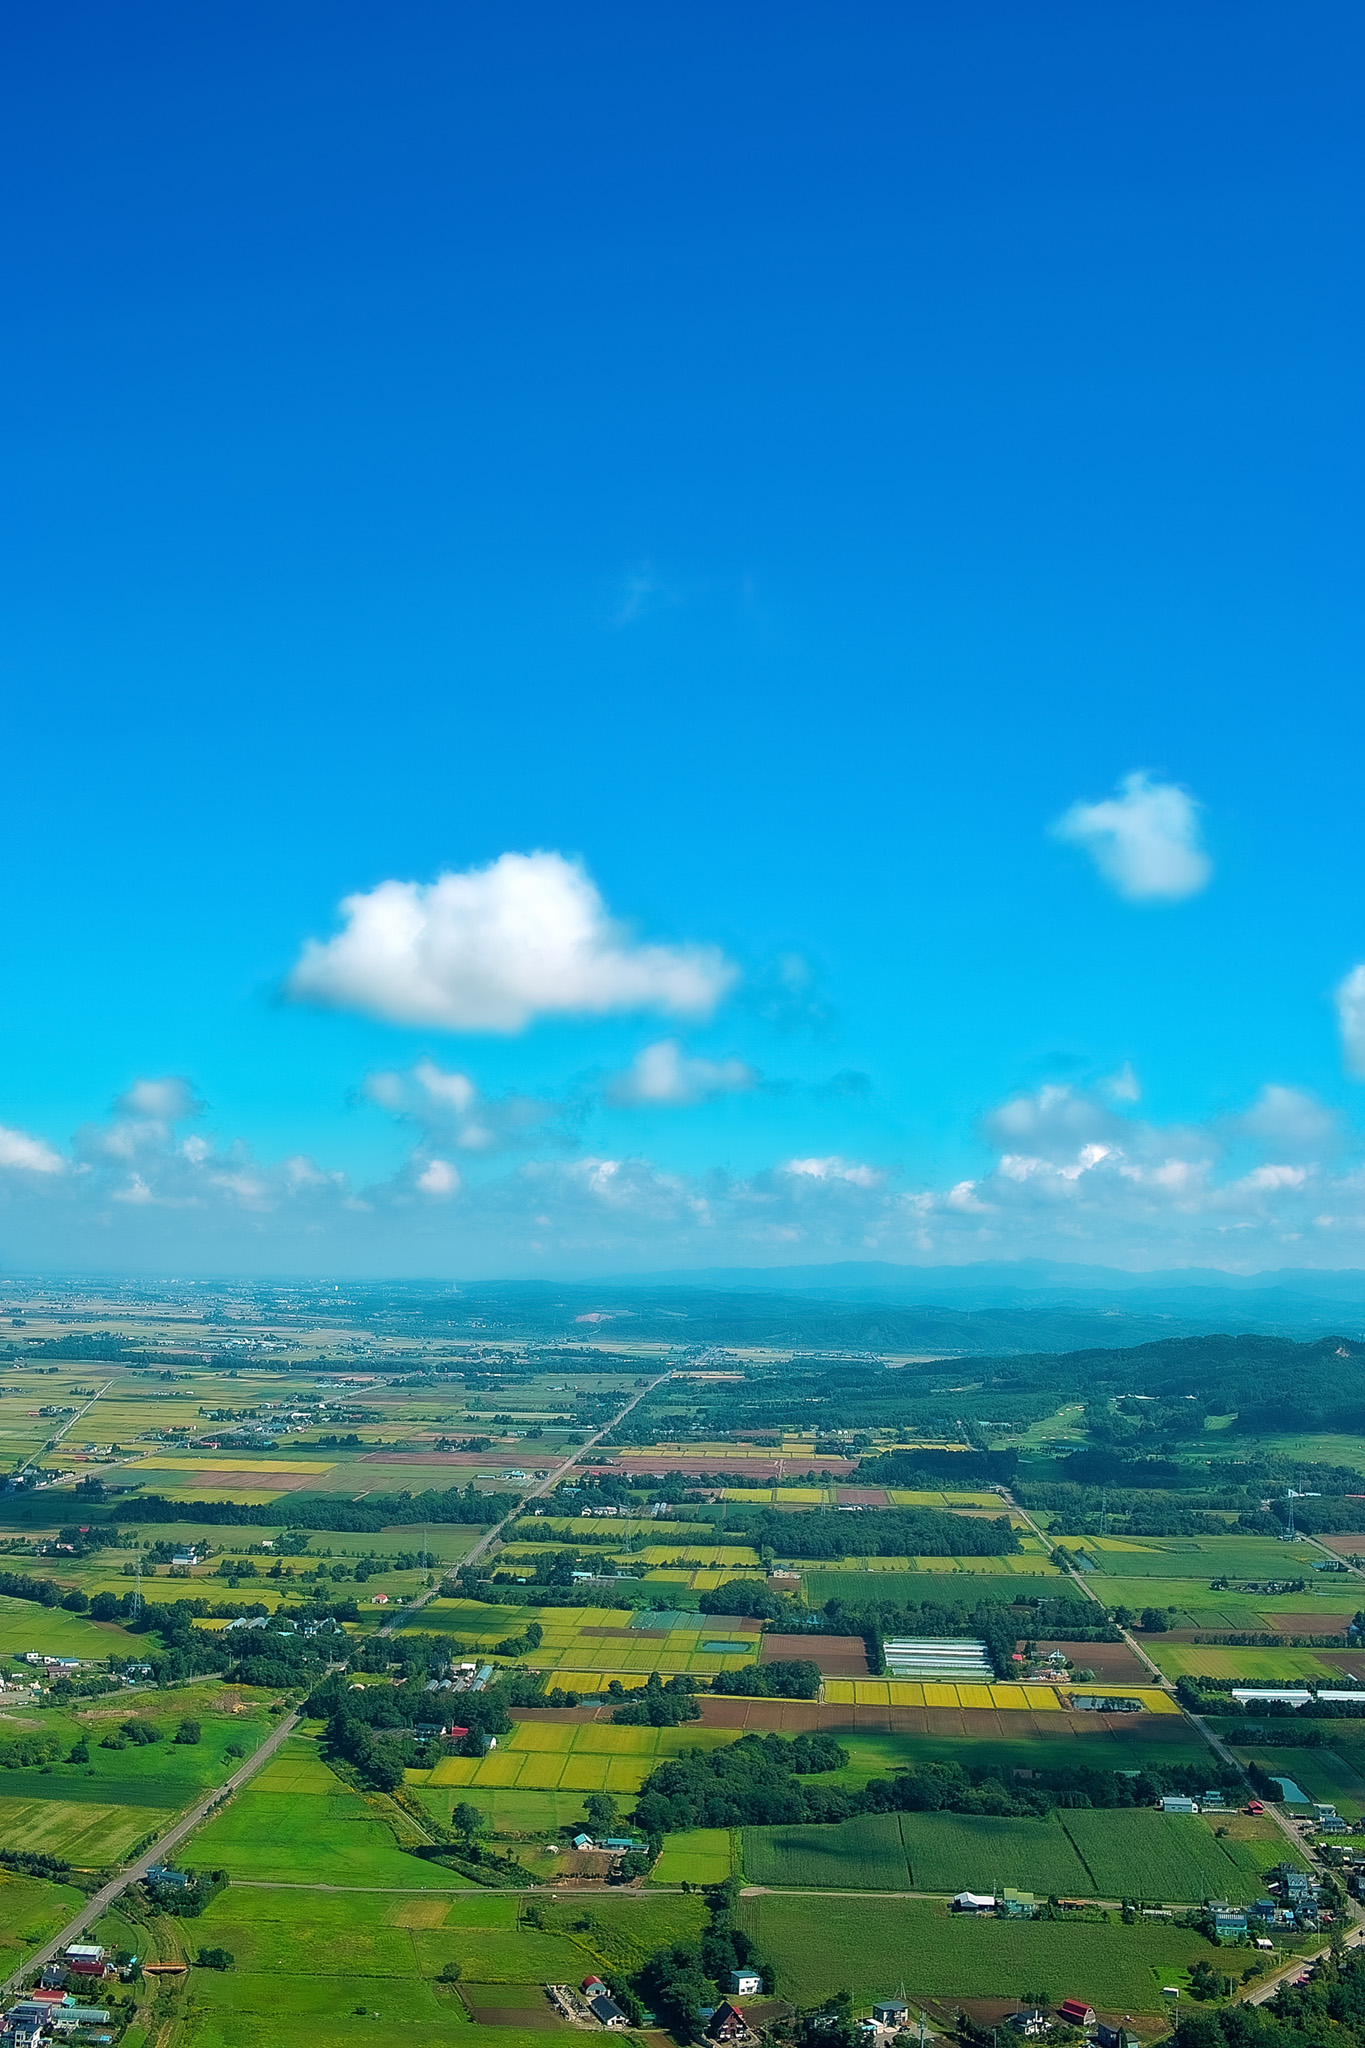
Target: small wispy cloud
[[664, 1075], [1145, 841], [1350, 998], [644, 591]]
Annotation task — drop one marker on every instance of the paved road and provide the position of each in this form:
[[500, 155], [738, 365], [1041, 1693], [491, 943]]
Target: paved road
[[490, 1536], [158, 1853], [70, 1423]]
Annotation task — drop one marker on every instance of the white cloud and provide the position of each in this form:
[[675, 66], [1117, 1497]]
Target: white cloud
[[1145, 840], [26, 1154], [166, 1100], [1290, 1123], [1123, 1086], [1351, 1018], [664, 1074], [494, 948], [450, 1110], [835, 1169], [1067, 1177]]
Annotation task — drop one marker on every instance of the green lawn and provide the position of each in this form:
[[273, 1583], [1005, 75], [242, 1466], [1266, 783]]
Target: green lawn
[[872, 1945], [1104, 1853], [859, 1587], [1205, 1557]]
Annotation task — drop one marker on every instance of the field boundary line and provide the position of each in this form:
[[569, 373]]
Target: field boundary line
[[101, 1900]]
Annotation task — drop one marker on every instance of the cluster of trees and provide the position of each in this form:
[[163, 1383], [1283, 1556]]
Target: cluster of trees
[[372, 1729], [750, 1782], [186, 1901], [753, 1597], [661, 1703], [337, 1511], [875, 1532], [927, 1471], [793, 1678], [530, 1638]]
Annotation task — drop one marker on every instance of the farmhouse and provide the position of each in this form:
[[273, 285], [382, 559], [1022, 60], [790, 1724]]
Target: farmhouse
[[891, 2012], [1032, 2024], [727, 2023], [1017, 1905], [745, 1983]]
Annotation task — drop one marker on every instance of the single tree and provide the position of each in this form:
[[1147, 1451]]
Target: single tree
[[466, 1820]]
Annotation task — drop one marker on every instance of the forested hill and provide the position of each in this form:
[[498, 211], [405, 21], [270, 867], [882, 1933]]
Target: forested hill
[[1271, 1383]]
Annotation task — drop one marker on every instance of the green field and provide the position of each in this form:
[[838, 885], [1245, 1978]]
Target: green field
[[1168, 1857], [859, 1855], [871, 1945], [1255, 1667], [969, 1587], [701, 1856], [1098, 1853], [306, 1960], [31, 1910], [1201, 1557], [86, 1833], [24, 1625], [1196, 1605], [298, 1823], [952, 1852]]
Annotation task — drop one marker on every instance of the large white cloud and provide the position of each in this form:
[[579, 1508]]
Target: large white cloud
[[493, 948], [664, 1075], [1145, 840]]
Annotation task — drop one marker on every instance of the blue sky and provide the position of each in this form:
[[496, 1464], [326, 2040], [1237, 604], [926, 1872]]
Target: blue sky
[[773, 466]]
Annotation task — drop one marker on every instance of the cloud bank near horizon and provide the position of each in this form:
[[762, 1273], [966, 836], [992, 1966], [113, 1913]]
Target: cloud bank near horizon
[[1068, 1173]]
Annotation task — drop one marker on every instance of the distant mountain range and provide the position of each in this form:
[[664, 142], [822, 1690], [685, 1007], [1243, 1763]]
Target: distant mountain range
[[1036, 1305]]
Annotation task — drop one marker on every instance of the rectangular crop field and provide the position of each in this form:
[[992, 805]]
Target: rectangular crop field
[[868, 1945], [865, 1854], [1248, 1666], [701, 1856], [1168, 1858], [951, 1852], [86, 1834]]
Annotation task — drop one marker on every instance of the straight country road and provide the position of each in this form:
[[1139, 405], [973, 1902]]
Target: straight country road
[[542, 1486], [101, 1900]]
